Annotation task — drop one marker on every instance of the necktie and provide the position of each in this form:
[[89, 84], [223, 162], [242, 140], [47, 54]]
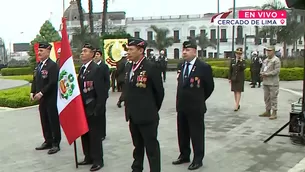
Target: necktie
[[40, 66], [186, 71], [81, 72]]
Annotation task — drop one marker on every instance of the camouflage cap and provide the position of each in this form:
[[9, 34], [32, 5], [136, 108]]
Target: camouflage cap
[[270, 48]]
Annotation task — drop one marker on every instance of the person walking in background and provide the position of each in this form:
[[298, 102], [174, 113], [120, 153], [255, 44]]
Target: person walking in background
[[270, 74], [163, 63], [121, 76], [255, 68], [195, 86], [237, 76]]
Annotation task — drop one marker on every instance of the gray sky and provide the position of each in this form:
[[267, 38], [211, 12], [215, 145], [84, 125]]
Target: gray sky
[[27, 16]]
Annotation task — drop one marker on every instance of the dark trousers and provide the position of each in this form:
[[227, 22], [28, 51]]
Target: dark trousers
[[145, 136], [255, 77], [191, 126], [91, 141], [50, 123], [122, 96], [164, 75], [120, 86], [103, 116]]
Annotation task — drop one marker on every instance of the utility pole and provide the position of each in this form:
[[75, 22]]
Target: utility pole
[[233, 31], [218, 39]]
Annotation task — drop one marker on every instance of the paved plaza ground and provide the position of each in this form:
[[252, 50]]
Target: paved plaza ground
[[234, 140]]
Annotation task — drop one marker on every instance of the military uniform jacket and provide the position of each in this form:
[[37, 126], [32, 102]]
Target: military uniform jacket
[[193, 92], [256, 64], [236, 70], [144, 93], [163, 62], [90, 83], [271, 68], [105, 77], [45, 81], [121, 70]]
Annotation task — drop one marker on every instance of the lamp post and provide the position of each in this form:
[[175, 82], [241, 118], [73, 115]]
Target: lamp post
[[218, 11], [233, 31]]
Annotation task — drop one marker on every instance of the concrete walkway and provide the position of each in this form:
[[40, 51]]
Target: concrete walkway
[[8, 83], [234, 140]]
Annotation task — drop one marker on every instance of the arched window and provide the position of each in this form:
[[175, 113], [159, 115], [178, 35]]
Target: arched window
[[176, 53]]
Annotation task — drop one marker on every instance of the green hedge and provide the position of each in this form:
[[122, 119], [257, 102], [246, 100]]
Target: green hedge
[[16, 97], [22, 71], [286, 74]]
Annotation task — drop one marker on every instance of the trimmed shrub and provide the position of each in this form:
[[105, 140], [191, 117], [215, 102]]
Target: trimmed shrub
[[17, 71], [23, 71], [16, 97], [28, 78], [286, 74]]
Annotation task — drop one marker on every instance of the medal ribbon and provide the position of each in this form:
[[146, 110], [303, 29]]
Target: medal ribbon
[[134, 68]]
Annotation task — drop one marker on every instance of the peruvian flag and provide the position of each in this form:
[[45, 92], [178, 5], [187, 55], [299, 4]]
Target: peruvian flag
[[69, 102]]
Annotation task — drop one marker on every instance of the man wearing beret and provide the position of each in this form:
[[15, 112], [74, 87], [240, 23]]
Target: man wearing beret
[[44, 90], [104, 69], [91, 81], [195, 85], [144, 95]]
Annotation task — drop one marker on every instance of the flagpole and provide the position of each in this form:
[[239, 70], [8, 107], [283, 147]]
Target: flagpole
[[75, 154], [233, 31], [218, 11], [63, 7]]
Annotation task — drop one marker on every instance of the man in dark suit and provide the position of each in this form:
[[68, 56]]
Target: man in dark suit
[[106, 77], [90, 81], [121, 72], [195, 85], [44, 89], [144, 95], [163, 63]]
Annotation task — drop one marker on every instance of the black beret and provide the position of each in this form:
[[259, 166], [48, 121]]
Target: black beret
[[98, 50], [189, 44], [239, 50], [89, 46], [137, 42], [45, 45]]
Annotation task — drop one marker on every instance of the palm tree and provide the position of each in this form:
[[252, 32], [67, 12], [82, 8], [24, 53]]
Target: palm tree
[[81, 15], [90, 6], [104, 17], [162, 40], [81, 37], [203, 42], [285, 34]]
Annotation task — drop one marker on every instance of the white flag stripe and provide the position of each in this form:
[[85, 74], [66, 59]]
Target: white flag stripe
[[68, 66]]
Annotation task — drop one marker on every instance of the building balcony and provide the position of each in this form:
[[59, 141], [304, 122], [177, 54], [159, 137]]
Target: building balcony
[[239, 41], [214, 41], [223, 40], [177, 40]]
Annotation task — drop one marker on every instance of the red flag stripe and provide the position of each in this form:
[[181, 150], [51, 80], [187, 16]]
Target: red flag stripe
[[64, 55], [222, 16]]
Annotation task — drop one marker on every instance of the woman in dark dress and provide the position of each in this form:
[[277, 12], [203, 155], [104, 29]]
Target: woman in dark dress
[[237, 76]]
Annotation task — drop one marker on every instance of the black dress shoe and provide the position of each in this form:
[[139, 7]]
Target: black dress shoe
[[96, 167], [119, 104], [181, 161], [195, 166], [85, 162], [103, 138], [44, 146], [54, 150]]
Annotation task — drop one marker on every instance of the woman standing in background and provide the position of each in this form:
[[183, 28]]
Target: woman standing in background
[[237, 76]]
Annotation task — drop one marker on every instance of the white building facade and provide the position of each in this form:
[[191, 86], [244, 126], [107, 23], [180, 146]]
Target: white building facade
[[183, 26]]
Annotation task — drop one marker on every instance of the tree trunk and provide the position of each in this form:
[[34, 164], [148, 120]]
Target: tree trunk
[[90, 6], [104, 17], [285, 50], [81, 15]]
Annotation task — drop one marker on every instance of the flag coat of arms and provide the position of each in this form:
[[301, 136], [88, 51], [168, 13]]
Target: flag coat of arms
[[69, 102]]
